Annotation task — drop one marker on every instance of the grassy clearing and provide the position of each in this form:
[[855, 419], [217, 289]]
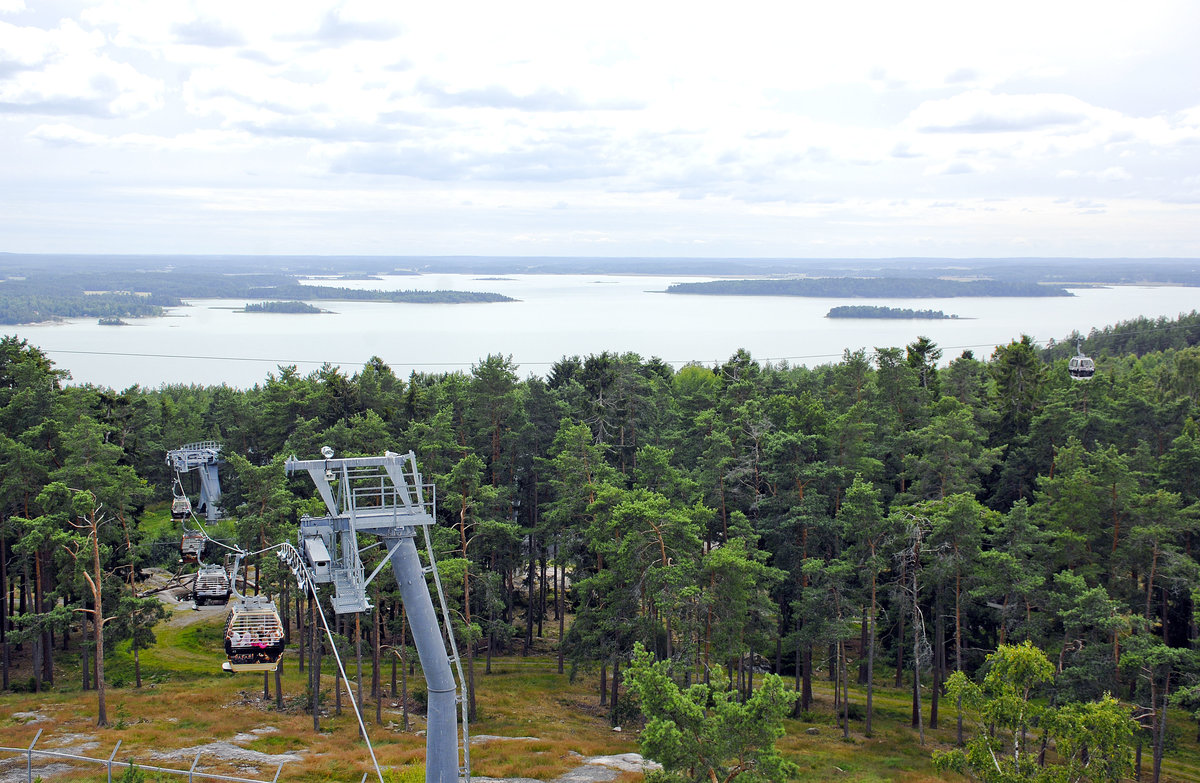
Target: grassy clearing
[[187, 703]]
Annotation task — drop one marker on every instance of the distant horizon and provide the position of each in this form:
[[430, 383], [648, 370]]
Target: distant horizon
[[561, 257]]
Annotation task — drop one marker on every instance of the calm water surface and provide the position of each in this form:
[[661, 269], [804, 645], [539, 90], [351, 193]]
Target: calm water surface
[[207, 342]]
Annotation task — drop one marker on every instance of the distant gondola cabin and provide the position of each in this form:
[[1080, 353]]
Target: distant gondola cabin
[[180, 507], [211, 585], [192, 546], [1081, 368]]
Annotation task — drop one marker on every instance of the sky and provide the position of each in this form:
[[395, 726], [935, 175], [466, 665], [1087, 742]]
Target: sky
[[756, 129]]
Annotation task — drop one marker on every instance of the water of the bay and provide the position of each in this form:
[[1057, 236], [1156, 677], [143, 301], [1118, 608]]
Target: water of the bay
[[209, 343]]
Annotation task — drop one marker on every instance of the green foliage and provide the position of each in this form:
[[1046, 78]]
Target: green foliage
[[133, 774], [704, 733], [411, 773], [874, 311], [1093, 740]]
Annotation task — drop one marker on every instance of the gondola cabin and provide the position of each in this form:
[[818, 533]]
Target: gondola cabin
[[192, 546], [253, 636], [180, 507], [212, 585], [1081, 368]]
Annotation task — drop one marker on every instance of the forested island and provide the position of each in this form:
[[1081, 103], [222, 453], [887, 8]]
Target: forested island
[[44, 287], [871, 311], [281, 307], [868, 287], [854, 528], [72, 287]]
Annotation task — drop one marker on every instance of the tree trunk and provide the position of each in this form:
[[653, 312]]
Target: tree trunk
[[314, 662], [84, 650], [541, 614], [98, 618], [561, 607], [279, 688], [403, 670], [871, 661], [958, 650], [337, 685], [376, 686], [806, 692], [616, 681], [862, 647], [1160, 736], [4, 607], [530, 591], [845, 670], [939, 641], [358, 662], [916, 622], [300, 634]]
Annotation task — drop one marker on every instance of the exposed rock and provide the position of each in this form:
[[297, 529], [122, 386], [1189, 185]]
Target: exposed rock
[[625, 762], [227, 751], [481, 738], [17, 772]]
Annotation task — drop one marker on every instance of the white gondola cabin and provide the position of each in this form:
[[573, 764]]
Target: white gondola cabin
[[253, 636], [1081, 368], [180, 507], [212, 585]]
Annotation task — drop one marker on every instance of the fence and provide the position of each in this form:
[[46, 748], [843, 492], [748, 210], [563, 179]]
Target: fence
[[191, 773]]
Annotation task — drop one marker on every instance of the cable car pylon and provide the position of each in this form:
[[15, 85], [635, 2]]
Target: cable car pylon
[[384, 496]]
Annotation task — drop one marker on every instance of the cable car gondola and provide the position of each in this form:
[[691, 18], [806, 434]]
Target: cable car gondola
[[192, 545], [1081, 368], [212, 585], [253, 635], [180, 505]]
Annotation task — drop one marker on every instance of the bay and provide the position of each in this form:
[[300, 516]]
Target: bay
[[208, 342]]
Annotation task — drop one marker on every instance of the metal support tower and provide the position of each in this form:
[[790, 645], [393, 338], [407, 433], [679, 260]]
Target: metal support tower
[[385, 497], [202, 457]]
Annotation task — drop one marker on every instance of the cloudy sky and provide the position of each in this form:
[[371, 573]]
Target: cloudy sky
[[797, 129]]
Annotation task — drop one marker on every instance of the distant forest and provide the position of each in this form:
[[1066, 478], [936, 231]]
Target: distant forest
[[871, 311], [869, 287], [43, 287], [94, 287], [281, 307]]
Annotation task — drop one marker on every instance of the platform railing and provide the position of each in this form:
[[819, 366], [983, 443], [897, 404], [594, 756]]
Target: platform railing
[[191, 773]]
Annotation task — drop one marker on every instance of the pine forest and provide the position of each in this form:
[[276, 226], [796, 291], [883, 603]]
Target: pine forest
[[1003, 554]]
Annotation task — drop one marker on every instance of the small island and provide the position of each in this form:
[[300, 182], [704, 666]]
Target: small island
[[871, 311], [281, 307], [111, 320]]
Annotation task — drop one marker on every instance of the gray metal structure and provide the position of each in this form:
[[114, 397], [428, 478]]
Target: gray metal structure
[[385, 497], [202, 457]]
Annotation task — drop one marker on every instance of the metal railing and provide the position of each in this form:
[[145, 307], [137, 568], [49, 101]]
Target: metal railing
[[191, 773]]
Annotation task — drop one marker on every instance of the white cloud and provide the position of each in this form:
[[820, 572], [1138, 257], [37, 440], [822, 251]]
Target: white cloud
[[64, 72], [979, 111], [662, 113]]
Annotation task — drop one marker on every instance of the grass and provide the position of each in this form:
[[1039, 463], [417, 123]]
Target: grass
[[187, 703]]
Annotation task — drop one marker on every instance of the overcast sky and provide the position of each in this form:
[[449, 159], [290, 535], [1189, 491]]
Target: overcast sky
[[799, 129]]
